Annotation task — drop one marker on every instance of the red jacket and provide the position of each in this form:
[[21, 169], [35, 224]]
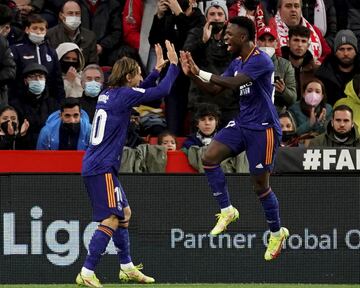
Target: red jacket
[[131, 30]]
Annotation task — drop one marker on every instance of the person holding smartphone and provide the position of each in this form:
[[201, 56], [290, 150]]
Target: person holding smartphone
[[209, 50]]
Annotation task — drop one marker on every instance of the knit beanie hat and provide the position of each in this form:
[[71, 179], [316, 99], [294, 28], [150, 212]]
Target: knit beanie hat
[[345, 37], [218, 3]]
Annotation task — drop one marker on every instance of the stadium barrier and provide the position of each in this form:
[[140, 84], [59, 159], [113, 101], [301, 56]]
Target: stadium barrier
[[45, 229]]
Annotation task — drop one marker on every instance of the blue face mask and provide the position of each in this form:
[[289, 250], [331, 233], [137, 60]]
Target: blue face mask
[[92, 88], [36, 86]]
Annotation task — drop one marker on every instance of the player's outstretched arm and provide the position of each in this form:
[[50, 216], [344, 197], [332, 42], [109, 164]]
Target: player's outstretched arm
[[192, 70]]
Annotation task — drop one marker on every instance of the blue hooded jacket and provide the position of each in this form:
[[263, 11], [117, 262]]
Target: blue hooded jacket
[[49, 134]]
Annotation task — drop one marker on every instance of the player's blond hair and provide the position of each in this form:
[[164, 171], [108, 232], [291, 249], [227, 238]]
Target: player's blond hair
[[121, 68]]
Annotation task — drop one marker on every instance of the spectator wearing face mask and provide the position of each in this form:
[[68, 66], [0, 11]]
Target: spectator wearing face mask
[[71, 62], [66, 129], [92, 80], [312, 112], [34, 104], [35, 49], [284, 81], [12, 135], [69, 29], [288, 128]]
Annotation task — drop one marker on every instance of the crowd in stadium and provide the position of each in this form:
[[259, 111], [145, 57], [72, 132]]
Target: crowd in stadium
[[56, 57]]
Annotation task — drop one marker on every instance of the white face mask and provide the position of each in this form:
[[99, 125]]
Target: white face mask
[[36, 38], [72, 22], [268, 50]]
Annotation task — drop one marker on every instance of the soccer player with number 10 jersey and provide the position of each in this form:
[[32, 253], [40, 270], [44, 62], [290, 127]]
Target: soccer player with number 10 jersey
[[103, 157]]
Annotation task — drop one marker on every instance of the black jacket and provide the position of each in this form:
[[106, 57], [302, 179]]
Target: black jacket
[[106, 23], [335, 80], [7, 69], [27, 52], [174, 28]]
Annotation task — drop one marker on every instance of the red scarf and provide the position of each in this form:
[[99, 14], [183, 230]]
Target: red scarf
[[283, 34]]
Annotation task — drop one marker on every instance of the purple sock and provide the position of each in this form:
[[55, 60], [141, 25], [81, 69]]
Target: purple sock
[[122, 244], [271, 209], [217, 182], [97, 246]]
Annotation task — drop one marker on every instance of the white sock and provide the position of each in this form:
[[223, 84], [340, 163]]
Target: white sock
[[276, 234], [127, 266], [86, 272], [227, 209]]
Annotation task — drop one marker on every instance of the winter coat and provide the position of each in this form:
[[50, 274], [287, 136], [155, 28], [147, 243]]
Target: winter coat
[[308, 7], [334, 80], [73, 88], [7, 69], [174, 28], [105, 22], [27, 52], [49, 134], [285, 71], [327, 139], [85, 39], [353, 101], [213, 57], [303, 123]]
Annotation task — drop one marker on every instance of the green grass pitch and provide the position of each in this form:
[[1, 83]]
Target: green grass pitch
[[188, 286]]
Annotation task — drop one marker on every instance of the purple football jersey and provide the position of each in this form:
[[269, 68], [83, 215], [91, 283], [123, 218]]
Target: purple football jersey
[[257, 111], [111, 121]]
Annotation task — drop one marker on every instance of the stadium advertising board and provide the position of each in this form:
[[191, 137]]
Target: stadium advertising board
[[45, 229]]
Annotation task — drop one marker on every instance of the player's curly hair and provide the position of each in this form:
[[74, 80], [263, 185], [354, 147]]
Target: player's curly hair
[[121, 68], [247, 24]]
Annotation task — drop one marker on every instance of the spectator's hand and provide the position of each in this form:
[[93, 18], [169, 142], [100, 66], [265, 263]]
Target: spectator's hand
[[160, 62], [280, 86], [24, 127], [174, 6], [161, 8], [99, 49], [10, 128], [312, 118], [322, 116], [71, 74], [207, 32], [171, 53]]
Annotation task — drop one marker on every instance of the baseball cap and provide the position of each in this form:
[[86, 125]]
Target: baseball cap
[[267, 30]]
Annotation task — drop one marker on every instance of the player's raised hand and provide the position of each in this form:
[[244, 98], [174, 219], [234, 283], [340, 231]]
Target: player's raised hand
[[160, 62], [193, 67], [185, 64], [171, 53]]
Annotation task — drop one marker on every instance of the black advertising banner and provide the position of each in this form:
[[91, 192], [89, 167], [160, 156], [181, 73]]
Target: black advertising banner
[[326, 160], [45, 224]]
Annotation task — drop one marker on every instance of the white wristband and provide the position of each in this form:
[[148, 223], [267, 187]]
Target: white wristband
[[204, 76]]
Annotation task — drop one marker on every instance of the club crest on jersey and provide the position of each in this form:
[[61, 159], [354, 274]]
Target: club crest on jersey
[[141, 90], [103, 98], [245, 89]]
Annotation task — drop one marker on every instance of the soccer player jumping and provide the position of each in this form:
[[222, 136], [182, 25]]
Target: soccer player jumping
[[255, 130], [103, 157]]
